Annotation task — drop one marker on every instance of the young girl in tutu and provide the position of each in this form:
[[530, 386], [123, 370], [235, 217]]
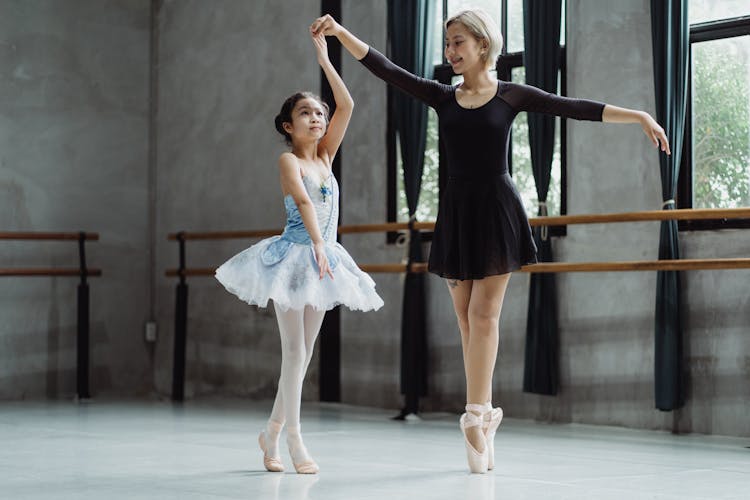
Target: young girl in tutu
[[304, 271]]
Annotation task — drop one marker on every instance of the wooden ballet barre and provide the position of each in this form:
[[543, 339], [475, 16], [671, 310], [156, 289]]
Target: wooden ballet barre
[[83, 302], [568, 267], [562, 220], [557, 220], [224, 235], [638, 265], [195, 271], [48, 272], [389, 226], [48, 236], [368, 268], [264, 233], [548, 267], [648, 215], [417, 267]]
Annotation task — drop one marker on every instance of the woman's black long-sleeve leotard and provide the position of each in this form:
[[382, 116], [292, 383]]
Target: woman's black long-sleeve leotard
[[481, 228]]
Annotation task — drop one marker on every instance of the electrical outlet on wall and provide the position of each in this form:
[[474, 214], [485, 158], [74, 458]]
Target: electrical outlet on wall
[[150, 331]]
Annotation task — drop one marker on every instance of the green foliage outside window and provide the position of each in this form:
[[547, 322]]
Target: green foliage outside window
[[721, 123]]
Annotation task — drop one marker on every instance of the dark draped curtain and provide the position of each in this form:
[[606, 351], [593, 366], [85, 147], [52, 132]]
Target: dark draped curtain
[[541, 58], [671, 45], [409, 29]]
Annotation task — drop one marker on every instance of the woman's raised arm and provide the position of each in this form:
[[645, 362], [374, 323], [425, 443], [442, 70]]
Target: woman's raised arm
[[428, 91]]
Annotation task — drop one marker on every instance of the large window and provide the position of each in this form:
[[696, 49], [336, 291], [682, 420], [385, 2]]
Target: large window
[[715, 171], [509, 16]]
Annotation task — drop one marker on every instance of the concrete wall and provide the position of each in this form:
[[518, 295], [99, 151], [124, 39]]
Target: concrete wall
[[225, 69], [608, 318], [73, 156], [371, 349]]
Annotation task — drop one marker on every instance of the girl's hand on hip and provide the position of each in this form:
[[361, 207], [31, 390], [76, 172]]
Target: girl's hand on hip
[[325, 25], [321, 259]]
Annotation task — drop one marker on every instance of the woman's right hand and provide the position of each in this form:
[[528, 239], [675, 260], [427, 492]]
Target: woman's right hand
[[321, 259], [326, 25]]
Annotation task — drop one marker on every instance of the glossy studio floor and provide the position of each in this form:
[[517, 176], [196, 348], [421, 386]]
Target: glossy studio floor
[[208, 450]]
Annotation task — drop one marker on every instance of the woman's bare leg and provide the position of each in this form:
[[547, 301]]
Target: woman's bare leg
[[460, 294], [485, 305]]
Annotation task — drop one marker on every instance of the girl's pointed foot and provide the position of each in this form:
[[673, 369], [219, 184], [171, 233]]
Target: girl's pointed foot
[[272, 463], [301, 459]]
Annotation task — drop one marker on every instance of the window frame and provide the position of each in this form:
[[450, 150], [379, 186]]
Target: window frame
[[704, 32], [443, 73]]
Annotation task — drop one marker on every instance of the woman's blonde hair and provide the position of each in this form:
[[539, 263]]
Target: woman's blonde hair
[[481, 25]]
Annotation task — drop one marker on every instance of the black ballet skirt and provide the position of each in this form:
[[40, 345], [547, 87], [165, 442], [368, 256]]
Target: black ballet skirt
[[481, 228]]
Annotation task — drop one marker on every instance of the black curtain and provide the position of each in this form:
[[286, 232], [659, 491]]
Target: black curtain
[[409, 30], [541, 58], [671, 46]]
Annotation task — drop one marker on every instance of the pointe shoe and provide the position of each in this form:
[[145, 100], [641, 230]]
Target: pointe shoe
[[272, 464], [492, 421], [478, 461]]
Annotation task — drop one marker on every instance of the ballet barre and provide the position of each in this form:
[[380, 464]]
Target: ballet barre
[[182, 272], [547, 267], [83, 272], [550, 267]]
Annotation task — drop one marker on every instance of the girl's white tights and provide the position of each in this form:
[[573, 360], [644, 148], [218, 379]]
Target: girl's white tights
[[298, 329]]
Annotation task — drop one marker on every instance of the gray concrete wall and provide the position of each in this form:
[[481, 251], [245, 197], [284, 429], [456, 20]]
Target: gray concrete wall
[[225, 69], [371, 349], [73, 156], [607, 319]]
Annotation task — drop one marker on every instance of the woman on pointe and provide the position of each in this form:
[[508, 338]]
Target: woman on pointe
[[482, 233], [304, 271]]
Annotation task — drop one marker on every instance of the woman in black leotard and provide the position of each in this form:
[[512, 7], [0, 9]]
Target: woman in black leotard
[[482, 233]]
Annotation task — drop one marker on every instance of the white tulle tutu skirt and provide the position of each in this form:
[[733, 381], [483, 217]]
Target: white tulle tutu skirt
[[286, 273]]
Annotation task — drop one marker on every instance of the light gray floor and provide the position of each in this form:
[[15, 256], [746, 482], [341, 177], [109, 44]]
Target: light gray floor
[[208, 449]]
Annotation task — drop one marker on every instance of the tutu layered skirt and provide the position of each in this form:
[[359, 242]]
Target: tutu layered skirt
[[286, 272]]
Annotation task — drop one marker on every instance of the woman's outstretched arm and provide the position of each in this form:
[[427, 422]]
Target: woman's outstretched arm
[[529, 98], [344, 104]]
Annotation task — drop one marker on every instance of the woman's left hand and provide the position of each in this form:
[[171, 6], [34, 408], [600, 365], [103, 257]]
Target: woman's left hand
[[655, 133]]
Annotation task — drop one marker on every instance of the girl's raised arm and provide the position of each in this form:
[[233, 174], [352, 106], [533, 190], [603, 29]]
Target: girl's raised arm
[[344, 104]]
